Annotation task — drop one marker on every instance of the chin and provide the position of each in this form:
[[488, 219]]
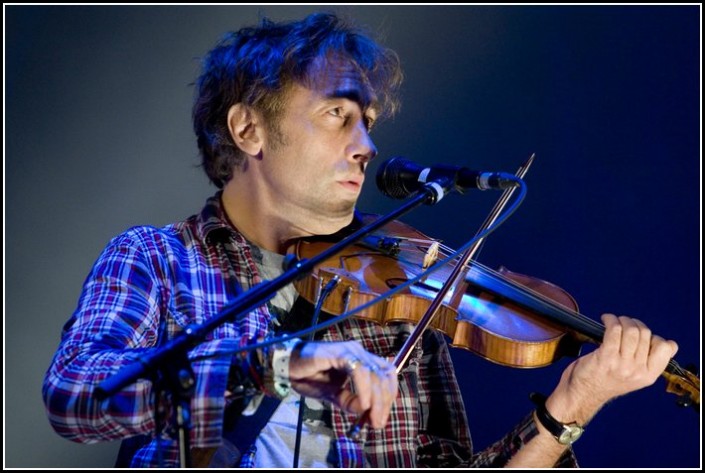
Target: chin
[[333, 222]]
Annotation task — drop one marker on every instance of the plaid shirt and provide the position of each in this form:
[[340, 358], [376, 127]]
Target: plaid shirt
[[148, 284]]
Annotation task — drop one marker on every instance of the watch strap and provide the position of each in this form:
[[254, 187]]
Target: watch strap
[[564, 433]]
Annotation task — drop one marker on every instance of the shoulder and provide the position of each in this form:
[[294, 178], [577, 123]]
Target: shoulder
[[146, 236], [150, 241]]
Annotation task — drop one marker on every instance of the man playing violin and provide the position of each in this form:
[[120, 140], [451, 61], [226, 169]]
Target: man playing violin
[[283, 114]]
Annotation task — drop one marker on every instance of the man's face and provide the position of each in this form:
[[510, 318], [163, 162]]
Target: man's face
[[312, 168]]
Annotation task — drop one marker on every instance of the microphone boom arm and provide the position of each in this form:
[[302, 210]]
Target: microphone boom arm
[[249, 300]]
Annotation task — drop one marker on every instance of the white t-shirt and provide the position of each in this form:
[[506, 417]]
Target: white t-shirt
[[275, 444]]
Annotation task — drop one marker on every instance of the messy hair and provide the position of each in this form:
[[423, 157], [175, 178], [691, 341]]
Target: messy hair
[[257, 65]]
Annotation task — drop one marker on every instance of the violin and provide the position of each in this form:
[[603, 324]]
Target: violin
[[508, 318]]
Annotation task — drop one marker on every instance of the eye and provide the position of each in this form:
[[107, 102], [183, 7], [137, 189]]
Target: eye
[[337, 112], [369, 122]]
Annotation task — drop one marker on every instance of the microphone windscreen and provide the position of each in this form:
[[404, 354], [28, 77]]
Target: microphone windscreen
[[398, 178]]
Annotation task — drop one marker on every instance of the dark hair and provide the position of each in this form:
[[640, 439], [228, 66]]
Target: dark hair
[[256, 65]]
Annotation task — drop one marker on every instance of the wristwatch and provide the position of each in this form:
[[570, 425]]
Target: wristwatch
[[565, 434]]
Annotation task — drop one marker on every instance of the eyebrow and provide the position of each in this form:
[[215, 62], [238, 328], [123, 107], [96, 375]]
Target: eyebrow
[[354, 95]]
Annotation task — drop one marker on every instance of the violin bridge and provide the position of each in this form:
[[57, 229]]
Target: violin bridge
[[431, 255]]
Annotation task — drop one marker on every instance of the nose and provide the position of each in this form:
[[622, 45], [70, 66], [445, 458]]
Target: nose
[[362, 148]]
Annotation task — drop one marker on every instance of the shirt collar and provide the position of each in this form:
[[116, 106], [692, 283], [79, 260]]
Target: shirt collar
[[213, 222]]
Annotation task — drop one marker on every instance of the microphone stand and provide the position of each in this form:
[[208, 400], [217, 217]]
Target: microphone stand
[[454, 280], [178, 377]]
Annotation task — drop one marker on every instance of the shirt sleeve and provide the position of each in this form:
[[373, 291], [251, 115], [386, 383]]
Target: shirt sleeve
[[121, 316], [444, 436], [499, 453]]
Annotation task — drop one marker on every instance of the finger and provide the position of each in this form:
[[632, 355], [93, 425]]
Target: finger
[[376, 412], [661, 352], [351, 365], [377, 390], [366, 389], [348, 401], [630, 337], [362, 382], [374, 379], [641, 353], [387, 393], [612, 338], [384, 390]]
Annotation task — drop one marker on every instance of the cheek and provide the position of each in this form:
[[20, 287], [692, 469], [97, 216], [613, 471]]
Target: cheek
[[314, 158], [310, 153]]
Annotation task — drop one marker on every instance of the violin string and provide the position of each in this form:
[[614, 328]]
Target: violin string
[[673, 364], [675, 367], [425, 243], [536, 296], [443, 250], [684, 375], [532, 295], [350, 313], [446, 251], [423, 275], [448, 255], [418, 240]]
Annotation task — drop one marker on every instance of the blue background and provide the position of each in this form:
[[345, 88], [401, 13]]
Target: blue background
[[98, 138]]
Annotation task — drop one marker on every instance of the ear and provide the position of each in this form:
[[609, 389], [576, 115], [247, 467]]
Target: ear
[[245, 129]]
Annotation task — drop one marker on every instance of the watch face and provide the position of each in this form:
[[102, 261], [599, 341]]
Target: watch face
[[570, 434]]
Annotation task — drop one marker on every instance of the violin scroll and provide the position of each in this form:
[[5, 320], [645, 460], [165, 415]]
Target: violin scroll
[[506, 317], [684, 384]]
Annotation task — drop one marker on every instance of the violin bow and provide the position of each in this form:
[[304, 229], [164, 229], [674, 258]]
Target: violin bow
[[494, 213], [457, 274]]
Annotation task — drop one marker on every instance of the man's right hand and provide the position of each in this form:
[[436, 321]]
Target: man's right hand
[[322, 369]]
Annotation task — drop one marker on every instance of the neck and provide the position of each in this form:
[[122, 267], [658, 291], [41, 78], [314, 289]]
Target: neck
[[272, 227], [263, 229]]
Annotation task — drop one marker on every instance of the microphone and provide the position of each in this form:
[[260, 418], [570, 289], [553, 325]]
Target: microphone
[[398, 178]]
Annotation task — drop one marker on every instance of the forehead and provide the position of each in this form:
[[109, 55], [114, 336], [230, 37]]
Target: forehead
[[338, 78]]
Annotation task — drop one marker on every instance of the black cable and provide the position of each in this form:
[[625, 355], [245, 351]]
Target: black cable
[[302, 400]]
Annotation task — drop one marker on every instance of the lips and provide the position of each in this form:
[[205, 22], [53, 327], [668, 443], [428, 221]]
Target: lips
[[353, 184]]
